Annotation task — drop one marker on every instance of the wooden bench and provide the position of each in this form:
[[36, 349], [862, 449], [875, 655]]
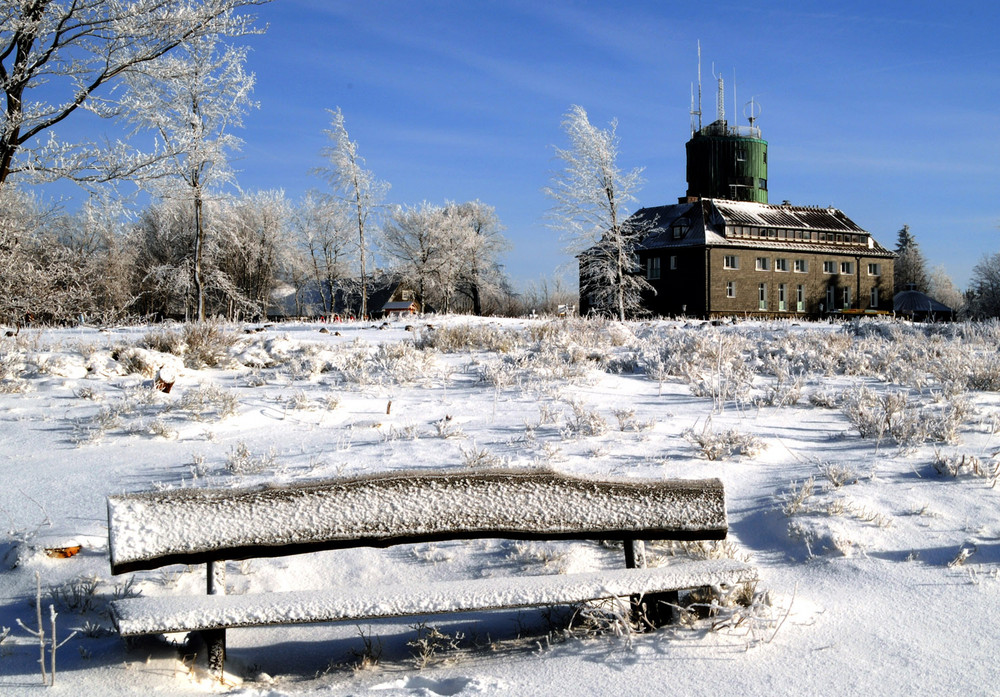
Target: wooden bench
[[188, 526]]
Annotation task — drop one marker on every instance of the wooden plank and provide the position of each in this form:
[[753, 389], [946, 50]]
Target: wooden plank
[[153, 615], [153, 529]]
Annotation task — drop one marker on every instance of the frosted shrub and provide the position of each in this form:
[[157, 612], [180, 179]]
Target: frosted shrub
[[241, 460], [794, 500], [133, 360], [207, 344], [825, 399], [967, 464], [583, 422], [481, 458], [208, 401], [873, 414], [430, 642], [730, 380], [498, 374], [447, 428], [164, 340], [470, 337], [839, 475], [717, 445], [400, 363], [786, 388]]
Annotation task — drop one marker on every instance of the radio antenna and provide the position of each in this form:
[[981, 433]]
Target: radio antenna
[[699, 85], [720, 100]]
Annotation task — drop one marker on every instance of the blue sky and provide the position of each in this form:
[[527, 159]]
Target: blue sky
[[889, 110]]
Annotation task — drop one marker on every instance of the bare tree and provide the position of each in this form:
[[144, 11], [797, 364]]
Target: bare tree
[[941, 288], [97, 238], [481, 276], [350, 182], [414, 237], [324, 235], [590, 196], [253, 246], [191, 100], [58, 58], [984, 287]]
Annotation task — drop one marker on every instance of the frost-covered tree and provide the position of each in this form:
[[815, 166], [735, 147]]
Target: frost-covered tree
[[60, 58], [414, 239], [910, 267], [941, 288], [254, 245], [324, 237], [192, 100], [356, 186], [984, 287], [97, 238], [590, 196], [481, 279], [447, 252]]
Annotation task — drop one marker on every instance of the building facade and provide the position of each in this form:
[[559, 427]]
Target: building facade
[[723, 250]]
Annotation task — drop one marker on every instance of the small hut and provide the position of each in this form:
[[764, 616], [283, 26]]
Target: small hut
[[920, 307]]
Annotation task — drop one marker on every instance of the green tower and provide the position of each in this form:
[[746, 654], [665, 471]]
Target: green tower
[[727, 162]]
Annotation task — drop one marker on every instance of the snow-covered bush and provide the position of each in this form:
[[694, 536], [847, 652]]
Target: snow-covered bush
[[718, 445]]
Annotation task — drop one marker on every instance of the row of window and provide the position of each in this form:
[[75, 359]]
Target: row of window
[[731, 261], [761, 233], [800, 297]]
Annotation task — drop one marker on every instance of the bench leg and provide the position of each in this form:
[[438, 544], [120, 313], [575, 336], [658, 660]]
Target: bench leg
[[635, 558], [215, 639], [215, 644], [662, 608]]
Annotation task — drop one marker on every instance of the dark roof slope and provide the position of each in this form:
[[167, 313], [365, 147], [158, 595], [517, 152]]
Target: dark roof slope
[[708, 219], [911, 301]]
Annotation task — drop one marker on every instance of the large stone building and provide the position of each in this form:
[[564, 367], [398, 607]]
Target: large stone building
[[724, 250]]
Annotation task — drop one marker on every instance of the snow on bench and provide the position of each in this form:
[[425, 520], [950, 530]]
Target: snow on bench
[[154, 529], [146, 615]]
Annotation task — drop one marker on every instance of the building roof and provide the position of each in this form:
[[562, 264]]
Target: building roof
[[913, 301], [711, 222], [399, 305]]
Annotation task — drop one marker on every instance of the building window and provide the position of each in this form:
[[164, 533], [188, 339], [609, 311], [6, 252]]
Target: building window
[[800, 266], [781, 264], [762, 296], [730, 261], [829, 297], [800, 298], [847, 267], [680, 228], [673, 262], [782, 298], [874, 269], [846, 297], [829, 267], [653, 268], [763, 263], [730, 289], [874, 298]]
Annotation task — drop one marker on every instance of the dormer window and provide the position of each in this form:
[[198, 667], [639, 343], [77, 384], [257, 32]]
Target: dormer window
[[680, 228]]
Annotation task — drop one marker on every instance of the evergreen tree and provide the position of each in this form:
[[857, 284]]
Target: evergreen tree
[[911, 267]]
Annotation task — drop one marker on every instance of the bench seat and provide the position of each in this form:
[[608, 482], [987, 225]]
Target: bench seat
[[153, 615]]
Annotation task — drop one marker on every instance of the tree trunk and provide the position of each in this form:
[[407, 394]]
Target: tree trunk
[[198, 245]]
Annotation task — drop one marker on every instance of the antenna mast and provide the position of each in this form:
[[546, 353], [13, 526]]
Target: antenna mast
[[699, 85], [720, 100]]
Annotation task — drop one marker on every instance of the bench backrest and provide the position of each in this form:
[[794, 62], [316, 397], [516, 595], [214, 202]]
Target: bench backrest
[[187, 526]]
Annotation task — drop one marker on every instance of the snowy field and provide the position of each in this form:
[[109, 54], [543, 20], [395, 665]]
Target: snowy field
[[859, 462]]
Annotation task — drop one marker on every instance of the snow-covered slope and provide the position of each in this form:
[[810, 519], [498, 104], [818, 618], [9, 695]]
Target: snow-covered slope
[[858, 460]]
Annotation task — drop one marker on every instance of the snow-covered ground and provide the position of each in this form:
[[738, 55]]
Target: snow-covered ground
[[859, 462]]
